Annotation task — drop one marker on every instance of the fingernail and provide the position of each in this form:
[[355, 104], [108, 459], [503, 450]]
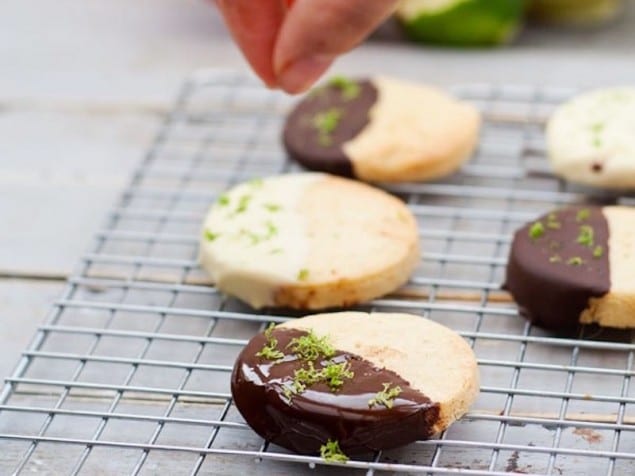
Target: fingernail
[[300, 75]]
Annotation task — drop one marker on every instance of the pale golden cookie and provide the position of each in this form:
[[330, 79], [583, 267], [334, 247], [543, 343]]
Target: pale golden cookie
[[575, 265], [590, 139], [382, 130], [366, 381], [308, 241]]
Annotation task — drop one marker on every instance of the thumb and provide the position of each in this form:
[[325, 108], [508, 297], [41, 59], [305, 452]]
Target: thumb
[[315, 32]]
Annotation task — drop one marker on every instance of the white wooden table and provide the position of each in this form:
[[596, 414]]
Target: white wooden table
[[83, 86]]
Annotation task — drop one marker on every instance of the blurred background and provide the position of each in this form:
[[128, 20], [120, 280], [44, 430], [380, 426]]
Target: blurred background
[[85, 84], [497, 22]]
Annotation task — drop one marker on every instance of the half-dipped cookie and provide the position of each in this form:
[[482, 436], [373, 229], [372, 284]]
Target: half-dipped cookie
[[366, 382], [575, 266], [308, 241], [590, 139], [381, 130]]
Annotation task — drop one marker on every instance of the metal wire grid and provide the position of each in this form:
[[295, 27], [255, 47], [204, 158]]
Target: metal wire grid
[[130, 372]]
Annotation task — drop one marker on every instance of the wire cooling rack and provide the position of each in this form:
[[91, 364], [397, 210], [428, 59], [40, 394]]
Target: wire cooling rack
[[130, 373]]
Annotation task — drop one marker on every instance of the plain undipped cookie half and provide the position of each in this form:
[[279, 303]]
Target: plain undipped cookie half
[[367, 381], [308, 241], [381, 130], [590, 139], [575, 266]]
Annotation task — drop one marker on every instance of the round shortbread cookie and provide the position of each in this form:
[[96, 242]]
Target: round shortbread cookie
[[381, 130], [367, 381], [575, 265], [590, 139], [308, 241]]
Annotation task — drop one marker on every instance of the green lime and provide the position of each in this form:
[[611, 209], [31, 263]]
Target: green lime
[[575, 12], [462, 22]]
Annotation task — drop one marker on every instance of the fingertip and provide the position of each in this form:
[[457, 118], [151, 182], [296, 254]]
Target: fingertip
[[255, 31], [298, 76], [314, 33], [270, 83]]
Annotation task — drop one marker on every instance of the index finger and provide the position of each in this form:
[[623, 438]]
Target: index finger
[[255, 29]]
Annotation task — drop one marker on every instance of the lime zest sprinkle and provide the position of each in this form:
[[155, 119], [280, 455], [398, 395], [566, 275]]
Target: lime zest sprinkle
[[210, 235], [272, 230], [552, 221], [598, 251], [326, 122], [334, 374], [386, 396], [223, 200], [597, 130], [586, 236], [575, 261], [270, 353], [272, 207], [243, 203], [270, 350], [350, 89], [305, 377], [254, 237], [583, 215], [303, 274], [536, 230], [597, 127], [331, 452], [311, 347]]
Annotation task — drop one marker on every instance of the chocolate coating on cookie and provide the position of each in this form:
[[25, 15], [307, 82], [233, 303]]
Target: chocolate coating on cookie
[[304, 140], [307, 420], [557, 264]]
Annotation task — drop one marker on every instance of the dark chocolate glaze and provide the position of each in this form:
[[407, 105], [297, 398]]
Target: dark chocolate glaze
[[301, 138], [318, 414], [549, 291]]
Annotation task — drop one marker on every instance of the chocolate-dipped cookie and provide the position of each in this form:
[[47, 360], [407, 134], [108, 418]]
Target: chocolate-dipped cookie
[[590, 139], [308, 241], [366, 381], [381, 130], [575, 266]]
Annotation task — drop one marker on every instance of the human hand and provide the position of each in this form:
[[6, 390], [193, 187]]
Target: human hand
[[291, 43]]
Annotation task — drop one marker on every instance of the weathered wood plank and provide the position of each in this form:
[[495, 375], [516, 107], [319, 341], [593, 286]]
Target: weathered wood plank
[[23, 305], [59, 174]]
